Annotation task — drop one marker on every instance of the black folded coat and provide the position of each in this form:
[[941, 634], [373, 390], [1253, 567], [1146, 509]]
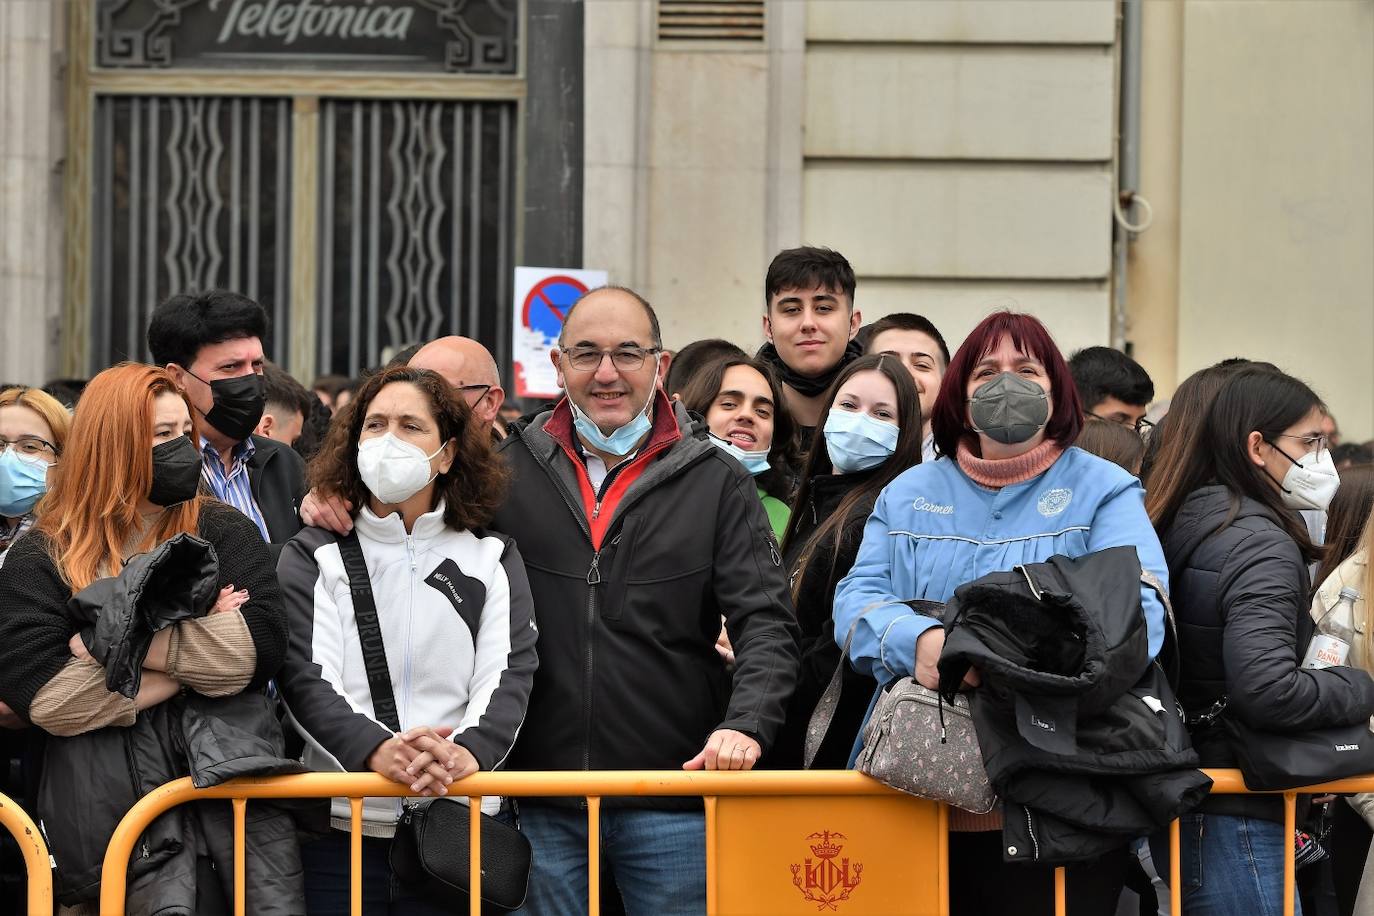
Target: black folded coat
[[1080, 731]]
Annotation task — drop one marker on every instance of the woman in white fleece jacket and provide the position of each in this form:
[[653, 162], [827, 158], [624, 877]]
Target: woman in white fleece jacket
[[453, 607]]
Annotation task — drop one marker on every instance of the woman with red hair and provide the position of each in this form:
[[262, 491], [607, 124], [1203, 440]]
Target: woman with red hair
[[128, 482], [1010, 489]]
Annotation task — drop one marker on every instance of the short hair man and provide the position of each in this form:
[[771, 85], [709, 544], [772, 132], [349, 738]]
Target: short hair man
[[470, 370], [211, 345], [1112, 386], [638, 536], [921, 348], [810, 321], [287, 405]]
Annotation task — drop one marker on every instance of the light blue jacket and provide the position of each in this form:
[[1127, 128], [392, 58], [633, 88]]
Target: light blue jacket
[[933, 529]]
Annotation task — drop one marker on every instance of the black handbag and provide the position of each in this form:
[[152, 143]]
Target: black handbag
[[1273, 760], [430, 849]]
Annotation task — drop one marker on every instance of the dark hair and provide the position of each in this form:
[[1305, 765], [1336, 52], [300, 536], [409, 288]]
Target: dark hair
[[66, 390], [804, 268], [184, 323], [692, 358], [949, 417], [333, 384], [1101, 372], [1174, 440], [314, 428], [1352, 454], [906, 454], [701, 392], [1253, 399], [655, 334], [1112, 441], [472, 488], [403, 355], [903, 321], [281, 389], [1346, 518]]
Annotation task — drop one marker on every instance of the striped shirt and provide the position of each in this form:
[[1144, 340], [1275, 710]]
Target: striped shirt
[[233, 485]]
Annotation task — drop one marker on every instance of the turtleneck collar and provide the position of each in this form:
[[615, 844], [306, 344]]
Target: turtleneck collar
[[996, 473], [392, 530]]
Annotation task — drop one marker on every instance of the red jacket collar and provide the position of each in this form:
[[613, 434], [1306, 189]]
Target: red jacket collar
[[664, 432]]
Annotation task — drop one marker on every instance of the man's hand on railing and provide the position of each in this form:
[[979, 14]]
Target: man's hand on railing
[[726, 749]]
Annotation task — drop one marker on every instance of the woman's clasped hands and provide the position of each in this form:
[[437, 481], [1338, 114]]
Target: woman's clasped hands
[[424, 759]]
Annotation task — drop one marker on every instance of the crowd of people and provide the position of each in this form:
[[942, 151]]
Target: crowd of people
[[208, 569]]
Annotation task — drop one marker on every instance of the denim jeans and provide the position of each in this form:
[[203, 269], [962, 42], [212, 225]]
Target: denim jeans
[[658, 859], [1229, 865], [328, 889]]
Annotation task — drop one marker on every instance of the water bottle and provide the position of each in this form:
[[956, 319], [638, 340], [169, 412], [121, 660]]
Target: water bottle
[[1335, 633]]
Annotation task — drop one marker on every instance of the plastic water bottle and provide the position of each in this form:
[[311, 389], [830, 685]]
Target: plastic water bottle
[[1335, 633]]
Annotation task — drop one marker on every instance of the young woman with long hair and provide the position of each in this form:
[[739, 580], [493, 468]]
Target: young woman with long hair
[[747, 418], [1238, 556], [1010, 490], [128, 482], [871, 433]]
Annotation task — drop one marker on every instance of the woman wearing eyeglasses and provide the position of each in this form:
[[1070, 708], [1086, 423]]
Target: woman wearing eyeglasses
[[1238, 556], [33, 429]]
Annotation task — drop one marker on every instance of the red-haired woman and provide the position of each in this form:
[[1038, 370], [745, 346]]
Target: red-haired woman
[[128, 482], [1011, 490]]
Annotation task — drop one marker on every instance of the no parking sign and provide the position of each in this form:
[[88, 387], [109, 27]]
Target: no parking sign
[[543, 296]]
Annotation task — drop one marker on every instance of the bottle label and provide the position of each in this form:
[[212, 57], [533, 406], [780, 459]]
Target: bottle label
[[1326, 652]]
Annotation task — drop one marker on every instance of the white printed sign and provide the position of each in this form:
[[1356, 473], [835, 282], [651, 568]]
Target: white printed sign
[[543, 296]]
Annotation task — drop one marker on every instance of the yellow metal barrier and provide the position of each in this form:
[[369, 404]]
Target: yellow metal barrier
[[36, 859], [896, 845], [776, 842]]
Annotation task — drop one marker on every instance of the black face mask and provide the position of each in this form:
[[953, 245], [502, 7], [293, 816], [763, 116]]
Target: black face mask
[[176, 472], [238, 404], [806, 386]]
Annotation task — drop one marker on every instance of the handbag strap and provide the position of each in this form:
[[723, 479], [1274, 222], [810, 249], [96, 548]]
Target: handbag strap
[[1170, 646], [824, 713], [369, 631]]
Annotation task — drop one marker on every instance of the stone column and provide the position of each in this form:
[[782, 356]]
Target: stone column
[[32, 132]]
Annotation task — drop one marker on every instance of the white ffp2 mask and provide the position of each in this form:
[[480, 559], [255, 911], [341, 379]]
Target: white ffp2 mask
[[393, 469]]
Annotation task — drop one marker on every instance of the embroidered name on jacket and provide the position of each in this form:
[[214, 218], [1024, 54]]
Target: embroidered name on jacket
[[923, 505], [465, 593]]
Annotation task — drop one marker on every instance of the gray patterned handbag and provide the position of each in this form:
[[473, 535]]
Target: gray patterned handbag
[[914, 741]]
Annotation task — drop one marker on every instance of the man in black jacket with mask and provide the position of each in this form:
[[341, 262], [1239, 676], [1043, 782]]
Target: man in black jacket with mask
[[211, 344], [638, 536]]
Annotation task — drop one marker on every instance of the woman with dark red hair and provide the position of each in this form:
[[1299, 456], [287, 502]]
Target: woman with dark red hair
[[1010, 490]]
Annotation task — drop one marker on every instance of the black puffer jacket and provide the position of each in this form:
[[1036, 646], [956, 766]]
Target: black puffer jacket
[[628, 676], [1080, 733], [814, 588], [1241, 597]]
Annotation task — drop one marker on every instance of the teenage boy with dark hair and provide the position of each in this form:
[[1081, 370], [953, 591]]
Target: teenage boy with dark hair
[[211, 345], [288, 404], [1112, 386], [810, 322], [921, 348]]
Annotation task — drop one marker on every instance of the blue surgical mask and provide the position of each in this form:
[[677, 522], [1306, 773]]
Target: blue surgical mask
[[858, 442], [754, 462], [621, 441], [22, 482]]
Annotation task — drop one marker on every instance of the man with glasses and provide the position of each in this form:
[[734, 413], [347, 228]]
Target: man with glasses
[[1112, 386], [638, 536]]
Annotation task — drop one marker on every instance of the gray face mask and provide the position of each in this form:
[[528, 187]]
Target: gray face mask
[[1009, 409]]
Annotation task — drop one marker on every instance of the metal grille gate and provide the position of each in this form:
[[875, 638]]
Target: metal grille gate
[[415, 226], [190, 193], [415, 206]]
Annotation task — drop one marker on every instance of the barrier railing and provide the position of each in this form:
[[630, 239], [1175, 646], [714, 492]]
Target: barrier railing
[[905, 837], [37, 862]]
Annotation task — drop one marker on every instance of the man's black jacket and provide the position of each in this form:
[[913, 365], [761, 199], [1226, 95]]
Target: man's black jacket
[[276, 475], [629, 677]]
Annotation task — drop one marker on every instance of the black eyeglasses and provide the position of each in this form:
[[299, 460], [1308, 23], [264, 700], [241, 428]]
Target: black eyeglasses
[[466, 388], [30, 447], [626, 359], [1141, 426]]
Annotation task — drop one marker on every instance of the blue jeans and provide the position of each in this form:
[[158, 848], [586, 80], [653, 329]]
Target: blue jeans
[[658, 859], [1229, 865], [328, 890]]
